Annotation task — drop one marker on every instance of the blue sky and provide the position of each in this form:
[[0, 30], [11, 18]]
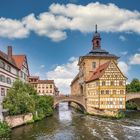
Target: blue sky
[[53, 34]]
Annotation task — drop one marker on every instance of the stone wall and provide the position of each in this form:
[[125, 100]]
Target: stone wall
[[14, 121]]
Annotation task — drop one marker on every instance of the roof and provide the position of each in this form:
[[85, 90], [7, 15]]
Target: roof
[[19, 59], [4, 56], [99, 72], [45, 81], [98, 53], [16, 60], [33, 77]]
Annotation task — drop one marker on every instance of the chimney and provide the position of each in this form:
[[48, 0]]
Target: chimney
[[9, 52]]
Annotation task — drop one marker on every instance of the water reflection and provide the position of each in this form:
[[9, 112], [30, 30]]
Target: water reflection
[[65, 114]]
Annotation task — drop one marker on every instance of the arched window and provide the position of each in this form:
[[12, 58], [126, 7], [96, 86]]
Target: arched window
[[8, 80]]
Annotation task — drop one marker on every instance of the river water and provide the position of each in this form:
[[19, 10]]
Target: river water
[[67, 124]]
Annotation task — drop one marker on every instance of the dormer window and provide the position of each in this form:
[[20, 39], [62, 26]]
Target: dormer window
[[93, 65]]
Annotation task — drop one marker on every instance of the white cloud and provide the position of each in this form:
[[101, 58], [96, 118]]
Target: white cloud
[[122, 38], [10, 28], [124, 53], [60, 18], [46, 24], [64, 74], [135, 59], [109, 17], [123, 67]]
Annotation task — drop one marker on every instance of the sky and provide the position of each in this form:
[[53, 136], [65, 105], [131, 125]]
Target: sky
[[54, 33]]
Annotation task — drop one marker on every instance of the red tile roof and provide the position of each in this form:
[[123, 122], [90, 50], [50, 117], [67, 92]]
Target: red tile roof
[[99, 72], [19, 59]]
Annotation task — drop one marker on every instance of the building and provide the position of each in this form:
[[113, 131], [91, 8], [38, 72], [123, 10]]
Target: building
[[100, 80], [44, 87], [12, 67]]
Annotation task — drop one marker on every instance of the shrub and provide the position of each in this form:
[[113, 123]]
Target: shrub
[[120, 115], [4, 130]]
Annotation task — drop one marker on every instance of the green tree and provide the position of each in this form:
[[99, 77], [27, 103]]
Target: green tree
[[134, 86], [20, 99]]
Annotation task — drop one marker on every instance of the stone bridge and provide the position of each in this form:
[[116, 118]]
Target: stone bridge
[[80, 100], [132, 96]]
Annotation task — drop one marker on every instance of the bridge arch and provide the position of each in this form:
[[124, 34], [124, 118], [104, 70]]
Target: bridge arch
[[132, 96], [77, 100]]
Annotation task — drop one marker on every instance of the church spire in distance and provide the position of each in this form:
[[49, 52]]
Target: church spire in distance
[[96, 41]]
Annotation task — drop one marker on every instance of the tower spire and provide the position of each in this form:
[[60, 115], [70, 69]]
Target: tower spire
[[96, 41], [96, 28]]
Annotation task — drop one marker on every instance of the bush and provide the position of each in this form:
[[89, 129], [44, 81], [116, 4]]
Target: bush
[[120, 115], [131, 106], [44, 107], [4, 130]]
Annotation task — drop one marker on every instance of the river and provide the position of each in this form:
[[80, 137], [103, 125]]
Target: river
[[68, 124]]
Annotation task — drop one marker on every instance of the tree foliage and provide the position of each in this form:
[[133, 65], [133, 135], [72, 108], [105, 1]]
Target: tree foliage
[[22, 98], [134, 86]]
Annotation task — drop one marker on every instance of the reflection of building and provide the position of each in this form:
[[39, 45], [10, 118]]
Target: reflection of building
[[11, 67], [99, 79], [43, 87]]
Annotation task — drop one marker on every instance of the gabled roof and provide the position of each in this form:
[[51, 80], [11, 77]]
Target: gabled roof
[[99, 72], [19, 59]]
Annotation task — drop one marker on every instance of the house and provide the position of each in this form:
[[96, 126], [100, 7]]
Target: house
[[43, 87], [11, 67]]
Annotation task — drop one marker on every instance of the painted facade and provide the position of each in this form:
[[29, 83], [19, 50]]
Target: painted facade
[[100, 80], [44, 87]]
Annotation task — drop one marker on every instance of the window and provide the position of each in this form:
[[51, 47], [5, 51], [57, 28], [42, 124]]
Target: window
[[121, 91], [94, 65], [103, 83], [2, 92], [107, 91], [114, 91], [8, 80], [8, 68], [2, 64], [112, 83], [50, 86], [102, 91], [2, 78], [120, 83]]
